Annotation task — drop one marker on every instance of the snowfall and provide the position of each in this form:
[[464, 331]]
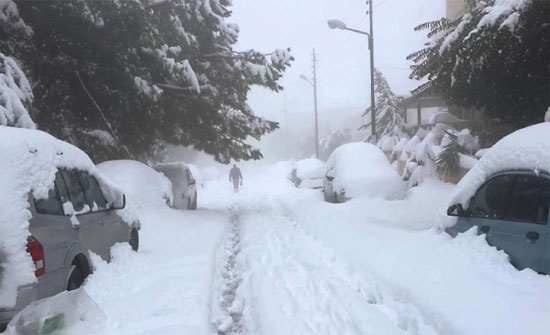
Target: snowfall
[[274, 259]]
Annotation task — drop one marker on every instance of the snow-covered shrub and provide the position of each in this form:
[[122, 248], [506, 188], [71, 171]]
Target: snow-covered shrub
[[448, 160], [15, 95]]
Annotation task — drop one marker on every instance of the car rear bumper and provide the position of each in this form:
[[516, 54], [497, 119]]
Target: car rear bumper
[[25, 295]]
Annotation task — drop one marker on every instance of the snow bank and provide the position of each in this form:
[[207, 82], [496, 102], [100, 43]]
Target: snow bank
[[73, 312], [527, 148], [363, 169], [29, 160], [311, 168], [141, 184]]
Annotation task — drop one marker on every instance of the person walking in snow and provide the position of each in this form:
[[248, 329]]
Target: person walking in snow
[[236, 177]]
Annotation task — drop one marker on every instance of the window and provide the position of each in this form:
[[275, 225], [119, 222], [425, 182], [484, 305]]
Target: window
[[74, 189], [52, 204], [92, 192], [488, 201], [530, 200]]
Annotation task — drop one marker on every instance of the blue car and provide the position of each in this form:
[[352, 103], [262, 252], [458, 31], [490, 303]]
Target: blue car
[[511, 209]]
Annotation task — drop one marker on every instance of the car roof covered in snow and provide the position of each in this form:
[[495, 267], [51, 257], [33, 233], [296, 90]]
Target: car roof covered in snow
[[141, 183], [524, 149], [310, 168], [362, 169]]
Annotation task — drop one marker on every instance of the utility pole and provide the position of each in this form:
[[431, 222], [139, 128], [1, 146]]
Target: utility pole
[[315, 103], [286, 130], [372, 98]]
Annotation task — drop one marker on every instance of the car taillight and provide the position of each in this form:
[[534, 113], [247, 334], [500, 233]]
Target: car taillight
[[34, 248]]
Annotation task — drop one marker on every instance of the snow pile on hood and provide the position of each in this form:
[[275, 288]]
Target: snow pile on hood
[[29, 160], [311, 168], [361, 169], [141, 183], [527, 148]]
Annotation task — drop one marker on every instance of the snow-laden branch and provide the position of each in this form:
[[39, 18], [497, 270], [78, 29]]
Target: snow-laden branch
[[15, 95]]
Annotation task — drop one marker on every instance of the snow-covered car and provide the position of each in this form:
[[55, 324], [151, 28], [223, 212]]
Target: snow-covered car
[[141, 183], [506, 196], [360, 169], [57, 208], [308, 173], [184, 186]]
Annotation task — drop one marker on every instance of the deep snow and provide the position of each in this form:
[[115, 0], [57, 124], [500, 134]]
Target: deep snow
[[273, 259]]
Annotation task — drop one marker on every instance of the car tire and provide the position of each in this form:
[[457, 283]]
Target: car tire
[[134, 240], [76, 278]]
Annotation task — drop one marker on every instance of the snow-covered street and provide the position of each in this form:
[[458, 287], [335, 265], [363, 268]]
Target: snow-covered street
[[273, 259]]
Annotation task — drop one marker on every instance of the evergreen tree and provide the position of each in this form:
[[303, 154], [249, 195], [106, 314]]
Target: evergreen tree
[[129, 77], [15, 90], [389, 117], [493, 59]]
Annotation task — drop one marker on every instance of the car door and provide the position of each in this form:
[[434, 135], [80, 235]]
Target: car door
[[113, 229], [52, 229], [88, 224], [523, 233], [486, 207]]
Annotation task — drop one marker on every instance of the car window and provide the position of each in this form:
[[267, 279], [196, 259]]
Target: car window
[[74, 189], [51, 205], [92, 192], [530, 198], [488, 201]]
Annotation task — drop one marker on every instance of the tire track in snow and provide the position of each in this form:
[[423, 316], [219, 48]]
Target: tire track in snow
[[228, 320]]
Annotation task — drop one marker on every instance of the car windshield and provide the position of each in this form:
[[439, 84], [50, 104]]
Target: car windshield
[[288, 166]]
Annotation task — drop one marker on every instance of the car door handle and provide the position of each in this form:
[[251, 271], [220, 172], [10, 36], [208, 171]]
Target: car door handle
[[532, 236], [484, 229]]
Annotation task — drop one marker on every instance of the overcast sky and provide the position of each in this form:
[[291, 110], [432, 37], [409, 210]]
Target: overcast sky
[[343, 63]]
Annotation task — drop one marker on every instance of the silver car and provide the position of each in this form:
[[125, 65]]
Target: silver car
[[184, 186], [59, 248]]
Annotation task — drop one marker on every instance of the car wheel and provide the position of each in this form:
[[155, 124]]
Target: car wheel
[[76, 279], [134, 240]]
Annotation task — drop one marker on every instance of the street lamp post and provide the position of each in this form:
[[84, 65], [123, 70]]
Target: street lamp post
[[337, 24], [314, 85]]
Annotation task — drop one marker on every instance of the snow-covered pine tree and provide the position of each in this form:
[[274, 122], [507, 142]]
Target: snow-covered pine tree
[[389, 117], [15, 90], [493, 59], [147, 72]]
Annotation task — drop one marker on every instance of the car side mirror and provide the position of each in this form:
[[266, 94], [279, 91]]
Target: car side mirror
[[457, 210], [119, 204], [192, 182], [329, 176]]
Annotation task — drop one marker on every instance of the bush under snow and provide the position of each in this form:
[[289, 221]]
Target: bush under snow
[[362, 169]]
